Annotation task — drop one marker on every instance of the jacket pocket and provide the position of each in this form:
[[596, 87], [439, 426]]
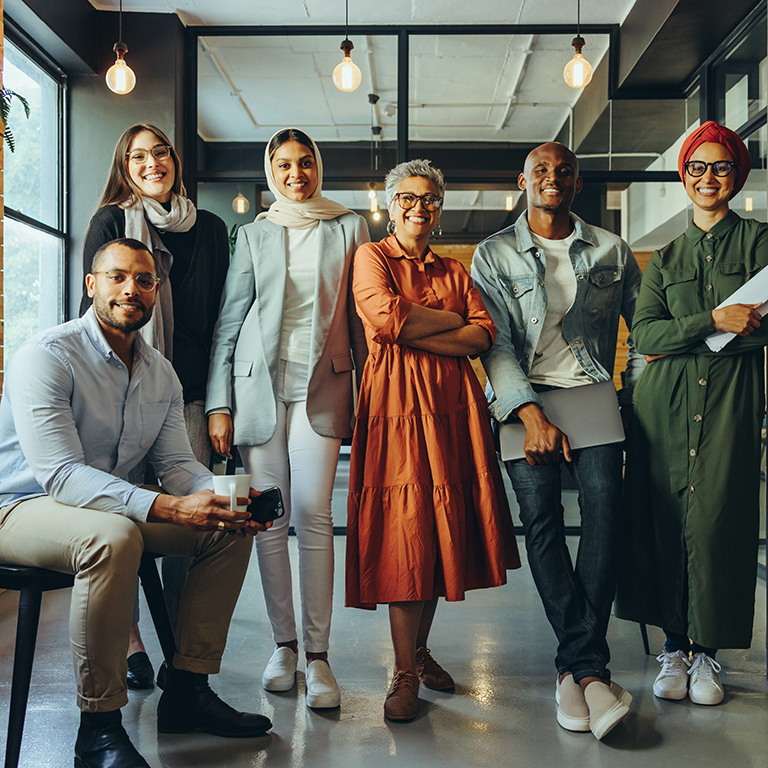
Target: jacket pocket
[[605, 277], [152, 419], [342, 363], [242, 368], [519, 295], [675, 276]]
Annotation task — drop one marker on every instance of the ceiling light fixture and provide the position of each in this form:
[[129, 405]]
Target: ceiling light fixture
[[347, 75], [240, 204], [578, 71], [120, 77], [509, 202]]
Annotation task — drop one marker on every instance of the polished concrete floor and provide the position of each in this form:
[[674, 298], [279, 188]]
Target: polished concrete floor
[[497, 645]]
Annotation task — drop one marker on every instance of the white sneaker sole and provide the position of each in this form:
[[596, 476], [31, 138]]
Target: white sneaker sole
[[609, 720], [707, 701], [570, 723], [669, 695]]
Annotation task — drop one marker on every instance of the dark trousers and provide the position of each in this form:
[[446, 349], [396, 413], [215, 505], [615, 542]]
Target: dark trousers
[[577, 599]]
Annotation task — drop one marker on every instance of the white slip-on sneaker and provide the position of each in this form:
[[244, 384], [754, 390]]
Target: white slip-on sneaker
[[280, 672], [608, 705], [672, 681], [705, 686], [322, 688], [572, 710]]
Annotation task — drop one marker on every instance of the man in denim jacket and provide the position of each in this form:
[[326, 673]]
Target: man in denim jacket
[[555, 288]]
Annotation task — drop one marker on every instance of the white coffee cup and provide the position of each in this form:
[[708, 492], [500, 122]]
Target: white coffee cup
[[233, 486]]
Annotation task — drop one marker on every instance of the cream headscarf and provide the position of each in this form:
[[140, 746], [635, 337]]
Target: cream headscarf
[[306, 213]]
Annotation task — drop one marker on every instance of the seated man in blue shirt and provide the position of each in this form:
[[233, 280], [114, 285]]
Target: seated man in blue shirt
[[83, 404], [555, 288]]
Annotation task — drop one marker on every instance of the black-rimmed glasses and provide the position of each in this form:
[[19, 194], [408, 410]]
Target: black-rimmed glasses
[[159, 152], [699, 167], [144, 281], [430, 202]]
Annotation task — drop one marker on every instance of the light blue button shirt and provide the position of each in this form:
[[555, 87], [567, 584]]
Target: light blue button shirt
[[510, 270], [74, 423]]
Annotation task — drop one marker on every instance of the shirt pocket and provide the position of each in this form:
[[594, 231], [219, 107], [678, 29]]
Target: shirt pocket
[[734, 275], [602, 288], [680, 287], [152, 420], [519, 294]]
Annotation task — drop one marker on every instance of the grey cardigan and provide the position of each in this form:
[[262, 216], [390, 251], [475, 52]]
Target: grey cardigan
[[245, 358]]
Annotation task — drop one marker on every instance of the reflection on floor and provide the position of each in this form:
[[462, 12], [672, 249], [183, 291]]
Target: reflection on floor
[[497, 645]]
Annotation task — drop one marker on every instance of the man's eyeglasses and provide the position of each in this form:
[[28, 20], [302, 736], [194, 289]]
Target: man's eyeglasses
[[408, 201], [144, 281], [159, 152], [699, 168]]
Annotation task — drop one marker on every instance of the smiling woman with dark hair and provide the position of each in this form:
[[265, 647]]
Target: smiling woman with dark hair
[[282, 390]]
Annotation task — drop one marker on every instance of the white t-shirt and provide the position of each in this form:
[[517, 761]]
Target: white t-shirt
[[554, 363], [301, 273]]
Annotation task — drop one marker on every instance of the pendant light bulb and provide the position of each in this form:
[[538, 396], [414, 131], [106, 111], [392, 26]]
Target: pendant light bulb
[[240, 204], [347, 75], [120, 77], [578, 71]]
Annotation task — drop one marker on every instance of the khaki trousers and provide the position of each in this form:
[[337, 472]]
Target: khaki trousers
[[103, 550]]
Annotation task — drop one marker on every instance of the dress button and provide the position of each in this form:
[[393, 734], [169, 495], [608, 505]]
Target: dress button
[[534, 319], [702, 382], [697, 417], [709, 235], [693, 451], [708, 287], [708, 258], [691, 489]]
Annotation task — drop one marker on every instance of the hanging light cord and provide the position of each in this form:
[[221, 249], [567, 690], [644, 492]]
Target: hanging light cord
[[346, 25], [120, 23], [578, 17]]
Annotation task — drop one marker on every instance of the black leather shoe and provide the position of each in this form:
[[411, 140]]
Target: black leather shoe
[[140, 675], [103, 743], [188, 704], [162, 676]]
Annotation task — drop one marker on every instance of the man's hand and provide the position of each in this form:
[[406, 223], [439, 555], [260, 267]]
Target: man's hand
[[204, 511], [741, 319], [221, 431], [544, 442]]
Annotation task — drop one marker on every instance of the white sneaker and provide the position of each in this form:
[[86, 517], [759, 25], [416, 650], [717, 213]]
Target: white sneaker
[[280, 672], [705, 687], [672, 681], [322, 688]]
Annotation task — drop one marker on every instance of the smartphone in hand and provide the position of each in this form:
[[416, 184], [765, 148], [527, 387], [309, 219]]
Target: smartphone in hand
[[267, 506]]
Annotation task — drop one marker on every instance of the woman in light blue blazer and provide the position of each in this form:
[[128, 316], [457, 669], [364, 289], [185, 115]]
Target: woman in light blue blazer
[[281, 387]]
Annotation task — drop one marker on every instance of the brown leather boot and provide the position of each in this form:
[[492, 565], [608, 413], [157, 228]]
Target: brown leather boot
[[431, 674], [402, 702]]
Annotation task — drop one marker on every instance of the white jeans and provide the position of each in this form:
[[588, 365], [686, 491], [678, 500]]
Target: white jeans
[[303, 465]]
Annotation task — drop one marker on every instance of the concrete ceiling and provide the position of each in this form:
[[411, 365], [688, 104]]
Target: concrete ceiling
[[463, 87]]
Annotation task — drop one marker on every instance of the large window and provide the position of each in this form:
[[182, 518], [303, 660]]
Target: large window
[[33, 269]]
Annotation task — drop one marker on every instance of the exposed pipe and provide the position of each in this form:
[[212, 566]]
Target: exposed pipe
[[512, 100], [222, 73]]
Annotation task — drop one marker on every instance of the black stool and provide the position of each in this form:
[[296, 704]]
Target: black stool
[[31, 583]]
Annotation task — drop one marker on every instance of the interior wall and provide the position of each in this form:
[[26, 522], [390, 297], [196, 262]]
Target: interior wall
[[96, 117]]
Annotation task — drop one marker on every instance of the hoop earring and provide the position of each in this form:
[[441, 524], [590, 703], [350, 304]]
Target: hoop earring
[[437, 233], [391, 227]]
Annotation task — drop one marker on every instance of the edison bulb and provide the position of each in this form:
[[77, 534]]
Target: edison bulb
[[578, 71], [376, 215], [120, 77], [240, 204], [347, 75]]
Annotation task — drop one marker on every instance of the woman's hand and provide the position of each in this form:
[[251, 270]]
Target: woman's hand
[[221, 431], [741, 319]]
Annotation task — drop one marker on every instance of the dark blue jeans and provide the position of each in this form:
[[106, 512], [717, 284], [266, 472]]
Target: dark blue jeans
[[577, 600]]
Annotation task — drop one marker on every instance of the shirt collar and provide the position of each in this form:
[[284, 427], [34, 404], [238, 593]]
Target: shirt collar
[[525, 241], [96, 335], [695, 235], [393, 250]]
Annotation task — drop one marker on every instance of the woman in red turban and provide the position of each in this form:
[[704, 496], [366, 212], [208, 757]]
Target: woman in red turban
[[693, 449]]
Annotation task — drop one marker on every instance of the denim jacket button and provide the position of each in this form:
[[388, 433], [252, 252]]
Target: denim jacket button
[[534, 319]]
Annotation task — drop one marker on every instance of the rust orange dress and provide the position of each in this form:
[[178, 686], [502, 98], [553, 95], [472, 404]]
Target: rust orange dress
[[427, 510]]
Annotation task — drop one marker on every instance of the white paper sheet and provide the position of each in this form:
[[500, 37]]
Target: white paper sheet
[[751, 292]]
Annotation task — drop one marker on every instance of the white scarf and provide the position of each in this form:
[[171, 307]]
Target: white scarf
[[139, 214], [295, 214]]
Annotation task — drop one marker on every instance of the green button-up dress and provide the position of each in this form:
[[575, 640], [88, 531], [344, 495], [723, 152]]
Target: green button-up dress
[[693, 448]]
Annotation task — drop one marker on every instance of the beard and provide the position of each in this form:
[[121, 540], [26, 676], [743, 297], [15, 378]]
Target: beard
[[105, 313]]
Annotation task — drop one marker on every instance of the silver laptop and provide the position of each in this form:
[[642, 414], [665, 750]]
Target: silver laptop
[[588, 415]]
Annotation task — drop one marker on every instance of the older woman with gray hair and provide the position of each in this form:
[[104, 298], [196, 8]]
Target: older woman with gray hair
[[427, 514]]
